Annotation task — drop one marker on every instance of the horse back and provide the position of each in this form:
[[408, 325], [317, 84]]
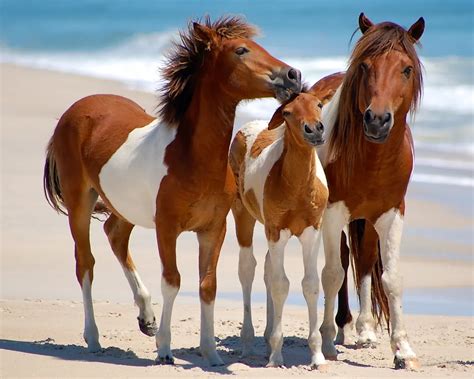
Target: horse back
[[95, 127]]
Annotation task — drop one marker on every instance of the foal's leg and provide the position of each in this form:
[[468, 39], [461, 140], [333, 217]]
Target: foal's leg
[[365, 324], [279, 291], [170, 282], [335, 218], [210, 243], [118, 232], [389, 226], [80, 203], [343, 316], [310, 241], [244, 225], [267, 278]]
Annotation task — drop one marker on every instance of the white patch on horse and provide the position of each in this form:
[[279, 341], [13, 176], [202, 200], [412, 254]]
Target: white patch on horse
[[141, 296], [335, 218], [389, 227], [328, 117], [163, 336], [258, 168], [131, 177], [91, 333], [247, 265], [320, 171]]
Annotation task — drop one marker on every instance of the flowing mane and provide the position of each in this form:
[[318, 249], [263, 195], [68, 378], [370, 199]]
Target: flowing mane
[[186, 58], [347, 139]]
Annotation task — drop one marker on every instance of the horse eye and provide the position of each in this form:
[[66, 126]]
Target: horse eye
[[320, 105], [241, 50], [364, 67], [407, 71]]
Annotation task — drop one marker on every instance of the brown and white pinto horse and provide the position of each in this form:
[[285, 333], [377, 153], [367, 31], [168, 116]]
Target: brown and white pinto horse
[[281, 183], [170, 173], [368, 163]]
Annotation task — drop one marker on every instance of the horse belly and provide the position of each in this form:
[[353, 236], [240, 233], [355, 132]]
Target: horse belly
[[131, 178]]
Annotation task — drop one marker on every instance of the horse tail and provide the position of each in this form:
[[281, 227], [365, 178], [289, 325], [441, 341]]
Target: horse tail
[[51, 183], [380, 309], [52, 186]]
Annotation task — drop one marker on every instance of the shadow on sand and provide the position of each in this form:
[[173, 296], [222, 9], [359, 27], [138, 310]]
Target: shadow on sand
[[229, 350]]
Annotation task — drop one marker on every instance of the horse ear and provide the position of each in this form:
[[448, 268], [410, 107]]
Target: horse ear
[[277, 118], [204, 34], [417, 29], [326, 98], [364, 23]]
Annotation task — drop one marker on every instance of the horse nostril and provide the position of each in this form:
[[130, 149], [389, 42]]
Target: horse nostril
[[320, 127], [386, 118], [293, 74], [368, 116], [307, 129]]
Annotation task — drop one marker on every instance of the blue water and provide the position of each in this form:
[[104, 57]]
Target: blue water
[[457, 301], [315, 28], [126, 41]]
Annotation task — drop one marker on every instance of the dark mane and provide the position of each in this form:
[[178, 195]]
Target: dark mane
[[185, 61], [347, 139]]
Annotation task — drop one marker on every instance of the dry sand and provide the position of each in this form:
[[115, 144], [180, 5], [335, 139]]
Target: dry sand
[[41, 313]]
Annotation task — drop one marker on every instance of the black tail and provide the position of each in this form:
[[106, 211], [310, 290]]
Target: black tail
[[52, 186], [380, 307]]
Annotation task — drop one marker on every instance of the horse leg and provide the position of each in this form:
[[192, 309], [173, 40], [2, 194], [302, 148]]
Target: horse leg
[[267, 278], [365, 324], [389, 227], [335, 218], [244, 225], [210, 243], [118, 232], [310, 241], [80, 203], [343, 316], [170, 282], [279, 288]]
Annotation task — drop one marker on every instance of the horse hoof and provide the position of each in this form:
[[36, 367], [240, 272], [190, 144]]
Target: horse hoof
[[366, 344], [406, 363], [321, 368], [148, 328], [94, 347], [246, 353], [166, 360], [275, 365]]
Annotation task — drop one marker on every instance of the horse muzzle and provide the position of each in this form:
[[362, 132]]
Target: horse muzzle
[[377, 127], [286, 82], [314, 134]]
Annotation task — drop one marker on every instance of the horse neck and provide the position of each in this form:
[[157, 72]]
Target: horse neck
[[298, 159], [207, 127]]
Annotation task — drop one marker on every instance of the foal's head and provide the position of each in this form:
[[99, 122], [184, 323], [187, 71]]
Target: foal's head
[[302, 116], [222, 56], [388, 73]]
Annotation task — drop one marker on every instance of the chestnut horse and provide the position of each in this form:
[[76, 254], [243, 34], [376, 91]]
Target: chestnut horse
[[368, 162], [281, 183], [169, 173]]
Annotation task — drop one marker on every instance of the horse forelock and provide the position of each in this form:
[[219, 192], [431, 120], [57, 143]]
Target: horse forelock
[[185, 60], [346, 139]]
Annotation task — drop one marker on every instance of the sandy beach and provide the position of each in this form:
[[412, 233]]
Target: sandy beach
[[41, 312]]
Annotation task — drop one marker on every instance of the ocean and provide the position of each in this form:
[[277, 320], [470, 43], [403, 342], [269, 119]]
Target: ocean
[[126, 41]]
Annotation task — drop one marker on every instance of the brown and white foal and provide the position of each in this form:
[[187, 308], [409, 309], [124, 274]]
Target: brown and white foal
[[281, 183]]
